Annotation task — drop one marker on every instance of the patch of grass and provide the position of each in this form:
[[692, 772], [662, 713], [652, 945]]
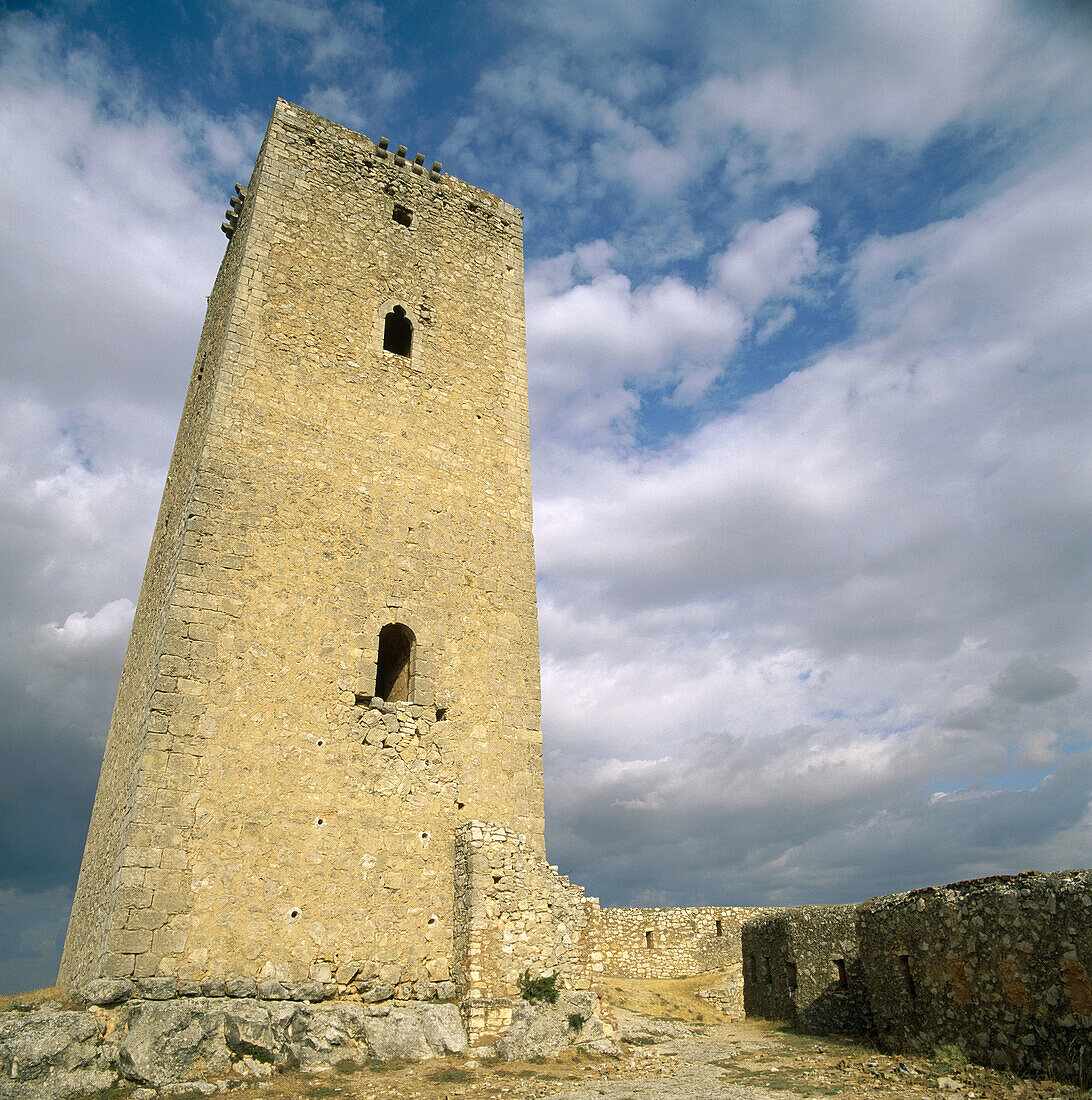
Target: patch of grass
[[950, 1057], [576, 1021], [775, 1080], [34, 998], [347, 1066], [453, 1075], [543, 988]]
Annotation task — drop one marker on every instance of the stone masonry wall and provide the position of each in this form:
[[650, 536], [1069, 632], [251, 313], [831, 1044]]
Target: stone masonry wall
[[669, 942], [514, 912], [999, 966], [803, 966], [248, 821]]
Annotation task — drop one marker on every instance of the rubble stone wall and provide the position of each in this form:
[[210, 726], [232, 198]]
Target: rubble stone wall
[[803, 965], [513, 912], [669, 942], [999, 966]]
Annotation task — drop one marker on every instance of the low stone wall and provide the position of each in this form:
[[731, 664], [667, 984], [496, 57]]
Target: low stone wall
[[998, 966], [803, 965]]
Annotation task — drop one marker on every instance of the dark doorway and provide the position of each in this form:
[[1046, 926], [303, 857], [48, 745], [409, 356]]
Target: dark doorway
[[398, 332], [394, 667]]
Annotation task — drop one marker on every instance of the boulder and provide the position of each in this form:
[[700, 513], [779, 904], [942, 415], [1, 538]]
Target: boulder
[[47, 1054], [248, 1031], [380, 991], [169, 1041], [318, 1037], [399, 1034], [442, 1026], [542, 1030], [104, 991], [156, 989]]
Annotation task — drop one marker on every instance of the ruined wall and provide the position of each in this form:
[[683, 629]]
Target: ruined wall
[[803, 965], [513, 912], [999, 966], [249, 822], [670, 942]]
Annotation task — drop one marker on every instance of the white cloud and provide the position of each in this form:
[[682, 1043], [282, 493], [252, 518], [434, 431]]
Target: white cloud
[[769, 259], [593, 336], [80, 631], [107, 229], [826, 599]]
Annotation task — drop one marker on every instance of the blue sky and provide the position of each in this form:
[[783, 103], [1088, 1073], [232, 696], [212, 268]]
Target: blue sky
[[809, 307]]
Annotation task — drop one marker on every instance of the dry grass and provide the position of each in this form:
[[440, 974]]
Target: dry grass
[[665, 998], [33, 998]]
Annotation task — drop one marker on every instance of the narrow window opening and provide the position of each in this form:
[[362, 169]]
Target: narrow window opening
[[767, 973], [790, 974], [648, 940], [843, 980], [403, 216], [394, 667], [398, 332], [752, 966], [904, 963], [720, 928]]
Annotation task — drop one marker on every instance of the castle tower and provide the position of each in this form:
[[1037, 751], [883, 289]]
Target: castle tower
[[347, 516]]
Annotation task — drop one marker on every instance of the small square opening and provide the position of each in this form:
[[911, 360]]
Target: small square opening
[[403, 215]]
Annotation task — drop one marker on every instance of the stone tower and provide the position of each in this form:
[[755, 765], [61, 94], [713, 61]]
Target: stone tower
[[347, 517]]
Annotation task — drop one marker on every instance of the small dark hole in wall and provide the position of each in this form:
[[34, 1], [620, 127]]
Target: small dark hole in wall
[[843, 980], [425, 836], [790, 974], [294, 914], [496, 878], [460, 805], [720, 928], [648, 940], [320, 821], [904, 964], [362, 700], [441, 716], [433, 920], [402, 215]]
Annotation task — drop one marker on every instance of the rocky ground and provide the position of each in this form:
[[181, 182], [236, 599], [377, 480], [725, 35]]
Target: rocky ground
[[674, 1047]]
